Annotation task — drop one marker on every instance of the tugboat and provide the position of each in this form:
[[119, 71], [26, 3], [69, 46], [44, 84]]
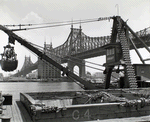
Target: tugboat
[[9, 60]]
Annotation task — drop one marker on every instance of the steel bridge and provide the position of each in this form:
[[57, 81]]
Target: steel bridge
[[80, 46]]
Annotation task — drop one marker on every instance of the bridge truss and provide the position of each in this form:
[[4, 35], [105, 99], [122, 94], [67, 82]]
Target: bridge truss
[[82, 46]]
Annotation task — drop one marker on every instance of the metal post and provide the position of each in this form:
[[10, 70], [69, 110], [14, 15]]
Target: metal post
[[137, 51], [137, 36]]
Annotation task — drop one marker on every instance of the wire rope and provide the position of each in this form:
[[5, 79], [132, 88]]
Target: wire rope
[[33, 24], [62, 24]]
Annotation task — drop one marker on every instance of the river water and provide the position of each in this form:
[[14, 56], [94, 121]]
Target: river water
[[15, 88]]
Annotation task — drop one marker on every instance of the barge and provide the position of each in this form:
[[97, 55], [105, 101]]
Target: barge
[[87, 105]]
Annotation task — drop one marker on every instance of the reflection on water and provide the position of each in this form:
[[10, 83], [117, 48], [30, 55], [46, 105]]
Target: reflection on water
[[15, 88]]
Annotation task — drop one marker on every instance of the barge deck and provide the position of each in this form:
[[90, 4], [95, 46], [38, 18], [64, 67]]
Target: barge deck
[[16, 112]]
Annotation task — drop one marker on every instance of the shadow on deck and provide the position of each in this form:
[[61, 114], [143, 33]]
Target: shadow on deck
[[17, 112]]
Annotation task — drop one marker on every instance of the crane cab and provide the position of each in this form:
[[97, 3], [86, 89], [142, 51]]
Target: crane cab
[[113, 53], [9, 60]]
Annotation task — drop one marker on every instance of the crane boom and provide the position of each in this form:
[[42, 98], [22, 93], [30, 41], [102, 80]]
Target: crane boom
[[13, 37]]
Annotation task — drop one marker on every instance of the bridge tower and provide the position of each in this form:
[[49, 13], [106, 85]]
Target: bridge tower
[[27, 63], [72, 62], [26, 68], [46, 70], [77, 62]]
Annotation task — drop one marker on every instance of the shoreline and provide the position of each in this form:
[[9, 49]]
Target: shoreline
[[64, 79]]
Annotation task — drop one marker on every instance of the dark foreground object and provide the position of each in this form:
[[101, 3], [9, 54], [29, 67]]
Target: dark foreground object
[[87, 105]]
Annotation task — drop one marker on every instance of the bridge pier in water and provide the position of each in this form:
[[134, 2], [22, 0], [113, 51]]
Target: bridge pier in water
[[77, 62]]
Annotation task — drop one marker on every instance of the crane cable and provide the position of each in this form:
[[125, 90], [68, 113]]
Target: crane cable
[[33, 24], [62, 23], [85, 65]]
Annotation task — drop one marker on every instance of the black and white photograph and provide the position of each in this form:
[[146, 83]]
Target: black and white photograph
[[74, 60]]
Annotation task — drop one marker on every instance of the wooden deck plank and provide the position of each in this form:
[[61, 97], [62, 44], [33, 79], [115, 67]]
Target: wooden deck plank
[[17, 112], [8, 111], [23, 112]]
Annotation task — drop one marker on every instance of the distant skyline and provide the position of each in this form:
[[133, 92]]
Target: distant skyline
[[137, 12]]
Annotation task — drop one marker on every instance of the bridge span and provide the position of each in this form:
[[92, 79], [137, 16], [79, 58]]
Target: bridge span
[[81, 47]]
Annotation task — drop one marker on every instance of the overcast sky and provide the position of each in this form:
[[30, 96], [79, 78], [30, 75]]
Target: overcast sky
[[46, 11]]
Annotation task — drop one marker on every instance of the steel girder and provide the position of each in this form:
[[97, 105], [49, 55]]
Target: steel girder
[[77, 42]]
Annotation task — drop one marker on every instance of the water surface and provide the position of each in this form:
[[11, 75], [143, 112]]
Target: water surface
[[15, 88]]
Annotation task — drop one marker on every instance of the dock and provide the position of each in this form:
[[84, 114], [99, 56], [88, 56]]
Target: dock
[[16, 112]]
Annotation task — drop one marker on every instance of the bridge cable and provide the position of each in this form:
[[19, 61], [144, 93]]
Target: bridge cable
[[85, 61], [86, 65], [79, 63]]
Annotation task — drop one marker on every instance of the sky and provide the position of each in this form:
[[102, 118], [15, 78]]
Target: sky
[[137, 12]]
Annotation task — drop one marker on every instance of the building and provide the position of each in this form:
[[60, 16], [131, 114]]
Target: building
[[32, 75], [46, 70], [1, 77], [98, 77]]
